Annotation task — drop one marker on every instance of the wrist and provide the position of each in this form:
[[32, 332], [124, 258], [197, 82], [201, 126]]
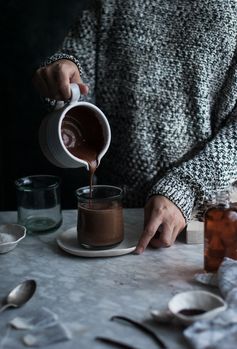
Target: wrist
[[63, 56]]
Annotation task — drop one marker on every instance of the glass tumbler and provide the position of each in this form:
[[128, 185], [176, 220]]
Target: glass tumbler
[[38, 202], [100, 222]]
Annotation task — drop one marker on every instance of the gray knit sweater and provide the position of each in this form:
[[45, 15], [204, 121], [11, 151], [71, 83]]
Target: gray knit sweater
[[165, 74]]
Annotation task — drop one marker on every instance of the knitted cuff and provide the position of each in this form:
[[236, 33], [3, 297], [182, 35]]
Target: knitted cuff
[[61, 55], [50, 103], [177, 191]]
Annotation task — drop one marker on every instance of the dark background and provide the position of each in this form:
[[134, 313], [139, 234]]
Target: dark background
[[30, 31]]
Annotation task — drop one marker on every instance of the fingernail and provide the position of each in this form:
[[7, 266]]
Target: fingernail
[[85, 89], [139, 250]]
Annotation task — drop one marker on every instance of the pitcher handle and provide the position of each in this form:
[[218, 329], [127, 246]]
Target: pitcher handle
[[75, 96]]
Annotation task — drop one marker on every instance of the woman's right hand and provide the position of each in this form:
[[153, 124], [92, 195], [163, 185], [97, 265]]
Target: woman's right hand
[[53, 81]]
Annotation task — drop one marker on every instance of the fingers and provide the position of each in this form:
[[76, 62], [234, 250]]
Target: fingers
[[53, 81], [149, 232], [48, 75], [84, 89], [75, 78], [165, 237], [61, 82], [176, 232], [41, 86], [163, 221], [45, 82]]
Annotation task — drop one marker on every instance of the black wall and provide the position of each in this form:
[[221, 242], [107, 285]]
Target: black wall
[[30, 31]]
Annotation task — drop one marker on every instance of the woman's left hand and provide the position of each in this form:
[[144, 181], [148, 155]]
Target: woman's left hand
[[163, 221]]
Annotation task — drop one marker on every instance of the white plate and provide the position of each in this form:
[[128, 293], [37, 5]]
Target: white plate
[[68, 242]]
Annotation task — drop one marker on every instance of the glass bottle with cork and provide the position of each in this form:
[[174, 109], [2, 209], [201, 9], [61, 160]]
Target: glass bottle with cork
[[220, 231]]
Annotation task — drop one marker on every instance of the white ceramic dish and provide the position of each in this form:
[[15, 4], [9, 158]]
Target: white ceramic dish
[[10, 235], [210, 303], [68, 242]]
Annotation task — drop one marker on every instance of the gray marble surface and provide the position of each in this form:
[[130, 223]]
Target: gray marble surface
[[86, 292]]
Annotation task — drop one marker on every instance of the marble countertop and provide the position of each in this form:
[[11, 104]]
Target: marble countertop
[[86, 292]]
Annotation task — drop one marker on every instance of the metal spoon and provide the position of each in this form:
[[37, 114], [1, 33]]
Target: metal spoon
[[19, 295]]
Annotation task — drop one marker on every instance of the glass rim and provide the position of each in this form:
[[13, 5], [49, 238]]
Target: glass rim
[[86, 190], [19, 183]]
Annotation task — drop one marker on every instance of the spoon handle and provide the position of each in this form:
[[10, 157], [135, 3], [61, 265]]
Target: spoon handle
[[5, 306]]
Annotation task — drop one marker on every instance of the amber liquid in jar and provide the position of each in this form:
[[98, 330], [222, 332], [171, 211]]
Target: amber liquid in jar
[[220, 235]]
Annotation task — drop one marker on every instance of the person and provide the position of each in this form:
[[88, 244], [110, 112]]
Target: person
[[165, 75]]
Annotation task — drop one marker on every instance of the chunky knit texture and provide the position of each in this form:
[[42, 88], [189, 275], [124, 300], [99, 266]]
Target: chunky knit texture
[[165, 74]]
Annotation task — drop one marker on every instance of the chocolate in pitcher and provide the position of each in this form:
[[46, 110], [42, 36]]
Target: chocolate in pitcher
[[83, 136]]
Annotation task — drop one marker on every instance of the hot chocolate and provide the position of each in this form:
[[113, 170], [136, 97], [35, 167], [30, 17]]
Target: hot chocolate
[[100, 226], [100, 218], [83, 136], [100, 213]]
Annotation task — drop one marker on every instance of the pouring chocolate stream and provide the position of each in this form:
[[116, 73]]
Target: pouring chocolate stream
[[83, 137]]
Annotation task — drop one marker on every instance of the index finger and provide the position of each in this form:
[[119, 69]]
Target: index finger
[[62, 81], [149, 232]]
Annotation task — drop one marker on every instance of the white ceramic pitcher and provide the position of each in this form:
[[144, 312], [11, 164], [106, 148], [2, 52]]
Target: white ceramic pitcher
[[50, 137]]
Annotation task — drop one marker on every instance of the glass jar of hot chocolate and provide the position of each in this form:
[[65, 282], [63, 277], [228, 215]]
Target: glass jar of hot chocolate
[[100, 223]]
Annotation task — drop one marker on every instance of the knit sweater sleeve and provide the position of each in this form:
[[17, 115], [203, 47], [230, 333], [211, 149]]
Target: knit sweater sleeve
[[214, 167]]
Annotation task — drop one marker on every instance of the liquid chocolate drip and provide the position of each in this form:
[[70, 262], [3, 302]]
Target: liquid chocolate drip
[[83, 137], [192, 312], [100, 225]]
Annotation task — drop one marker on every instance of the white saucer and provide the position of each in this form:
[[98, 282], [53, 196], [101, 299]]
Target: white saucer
[[68, 242]]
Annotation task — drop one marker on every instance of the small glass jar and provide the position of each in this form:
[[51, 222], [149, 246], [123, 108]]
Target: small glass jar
[[220, 232], [38, 203], [100, 222]]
